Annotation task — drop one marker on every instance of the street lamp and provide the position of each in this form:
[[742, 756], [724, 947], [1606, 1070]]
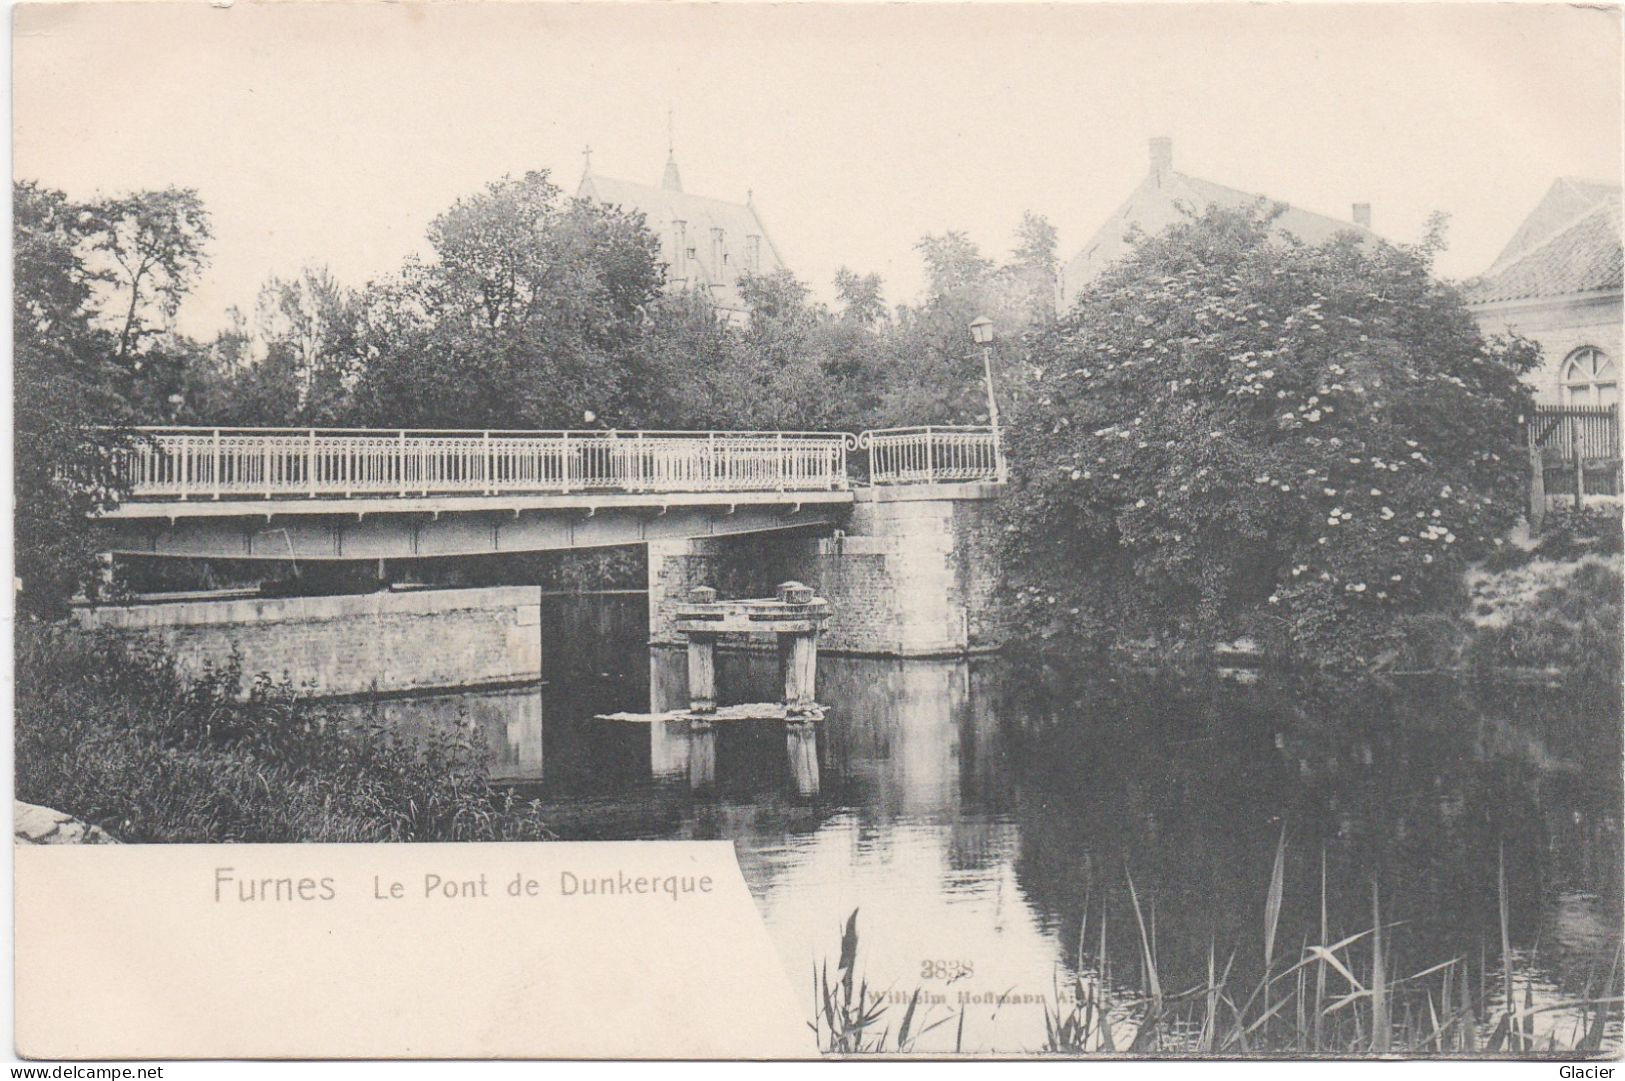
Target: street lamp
[[981, 332]]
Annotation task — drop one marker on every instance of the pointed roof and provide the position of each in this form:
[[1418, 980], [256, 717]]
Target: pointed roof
[[664, 205], [1166, 197], [1569, 198], [1569, 244]]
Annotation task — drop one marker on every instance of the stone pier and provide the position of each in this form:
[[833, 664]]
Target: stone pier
[[389, 642], [911, 573]]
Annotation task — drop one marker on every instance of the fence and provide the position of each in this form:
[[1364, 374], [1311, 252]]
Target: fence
[[932, 454], [1578, 449], [182, 463]]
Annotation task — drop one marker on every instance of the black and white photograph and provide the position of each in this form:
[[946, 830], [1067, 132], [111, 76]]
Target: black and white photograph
[[1109, 515]]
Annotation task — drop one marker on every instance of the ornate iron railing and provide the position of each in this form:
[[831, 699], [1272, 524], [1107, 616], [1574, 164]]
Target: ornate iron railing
[[932, 454], [193, 463]]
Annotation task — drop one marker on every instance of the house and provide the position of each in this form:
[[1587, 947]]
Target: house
[[1557, 282], [707, 244], [1166, 197]]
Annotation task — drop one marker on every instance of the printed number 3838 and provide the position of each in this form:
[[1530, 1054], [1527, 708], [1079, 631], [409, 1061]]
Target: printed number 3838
[[946, 970]]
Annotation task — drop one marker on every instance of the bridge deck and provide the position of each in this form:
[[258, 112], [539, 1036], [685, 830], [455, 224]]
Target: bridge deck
[[516, 503]]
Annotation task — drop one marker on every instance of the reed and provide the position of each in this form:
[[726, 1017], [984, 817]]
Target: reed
[[851, 1019], [1338, 998]]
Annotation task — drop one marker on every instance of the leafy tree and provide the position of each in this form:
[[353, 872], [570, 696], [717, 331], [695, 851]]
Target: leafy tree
[[860, 297], [1036, 264], [153, 244], [309, 329], [937, 371], [61, 379], [529, 315], [1233, 433], [952, 262]]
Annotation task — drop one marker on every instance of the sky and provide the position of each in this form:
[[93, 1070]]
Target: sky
[[331, 134]]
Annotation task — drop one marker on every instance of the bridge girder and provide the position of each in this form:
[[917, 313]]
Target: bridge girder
[[384, 529]]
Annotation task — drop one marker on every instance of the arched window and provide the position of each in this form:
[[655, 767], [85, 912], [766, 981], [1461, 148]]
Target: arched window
[[1590, 378]]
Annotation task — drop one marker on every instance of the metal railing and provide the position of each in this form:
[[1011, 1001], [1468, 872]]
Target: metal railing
[[932, 454], [194, 463]]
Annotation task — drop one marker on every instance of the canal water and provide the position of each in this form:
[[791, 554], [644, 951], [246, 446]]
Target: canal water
[[980, 815]]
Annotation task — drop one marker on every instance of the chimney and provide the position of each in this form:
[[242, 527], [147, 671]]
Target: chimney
[[753, 253], [716, 254], [1362, 214], [679, 262], [1162, 155]]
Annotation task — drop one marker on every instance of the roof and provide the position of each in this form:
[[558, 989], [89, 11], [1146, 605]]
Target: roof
[[665, 204], [1570, 243], [1568, 198], [1166, 198]]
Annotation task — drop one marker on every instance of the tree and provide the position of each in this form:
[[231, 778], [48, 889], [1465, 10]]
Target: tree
[[937, 372], [860, 297], [308, 328], [1036, 264], [154, 244], [1238, 434], [528, 316], [61, 387], [952, 261]]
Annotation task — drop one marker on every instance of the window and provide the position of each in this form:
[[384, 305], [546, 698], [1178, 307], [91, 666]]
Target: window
[[1590, 378]]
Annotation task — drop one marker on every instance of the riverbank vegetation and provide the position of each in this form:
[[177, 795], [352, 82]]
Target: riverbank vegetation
[[113, 735], [1339, 996], [1237, 434]]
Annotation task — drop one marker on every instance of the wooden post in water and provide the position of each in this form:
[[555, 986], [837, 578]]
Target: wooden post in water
[[801, 746], [702, 660], [798, 654], [702, 754]]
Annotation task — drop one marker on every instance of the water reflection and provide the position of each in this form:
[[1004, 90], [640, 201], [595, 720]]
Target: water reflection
[[976, 814]]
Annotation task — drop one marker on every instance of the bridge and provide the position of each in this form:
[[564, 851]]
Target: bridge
[[360, 494]]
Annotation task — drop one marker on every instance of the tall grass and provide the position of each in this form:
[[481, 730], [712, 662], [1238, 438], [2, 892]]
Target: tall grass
[[1336, 998], [111, 733], [848, 1023]]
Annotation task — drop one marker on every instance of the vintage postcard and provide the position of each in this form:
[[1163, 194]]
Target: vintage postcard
[[813, 531]]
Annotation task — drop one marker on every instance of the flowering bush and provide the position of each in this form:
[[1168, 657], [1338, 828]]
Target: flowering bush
[[1234, 432]]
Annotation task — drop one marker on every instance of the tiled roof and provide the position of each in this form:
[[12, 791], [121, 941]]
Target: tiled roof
[[1582, 256], [1165, 198], [1566, 200]]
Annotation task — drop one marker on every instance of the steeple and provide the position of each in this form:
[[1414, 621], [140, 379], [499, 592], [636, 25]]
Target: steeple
[[672, 181]]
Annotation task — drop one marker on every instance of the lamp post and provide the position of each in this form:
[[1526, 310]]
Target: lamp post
[[981, 332]]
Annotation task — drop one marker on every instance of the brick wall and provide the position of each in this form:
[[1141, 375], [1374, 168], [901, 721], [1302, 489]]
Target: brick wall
[[407, 641]]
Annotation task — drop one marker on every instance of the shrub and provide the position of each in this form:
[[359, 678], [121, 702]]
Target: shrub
[[1573, 625], [1571, 532], [109, 732], [1236, 433]]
